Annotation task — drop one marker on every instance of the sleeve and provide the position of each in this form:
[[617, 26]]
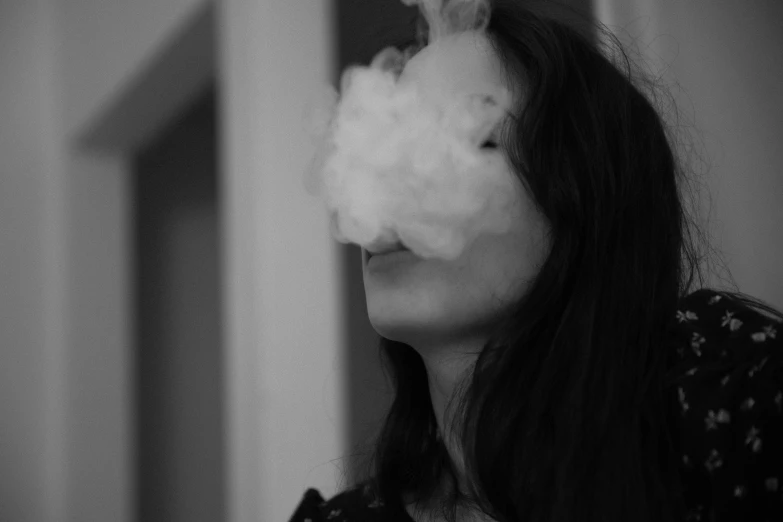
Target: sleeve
[[731, 405], [308, 509]]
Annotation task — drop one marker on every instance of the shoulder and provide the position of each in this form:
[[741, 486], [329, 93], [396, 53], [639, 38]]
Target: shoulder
[[723, 330], [309, 508], [356, 504], [728, 383]]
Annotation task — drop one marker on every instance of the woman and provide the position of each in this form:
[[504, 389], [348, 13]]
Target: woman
[[567, 370]]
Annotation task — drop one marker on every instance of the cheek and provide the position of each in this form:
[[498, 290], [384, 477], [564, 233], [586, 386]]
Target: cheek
[[439, 298], [494, 273], [494, 278]]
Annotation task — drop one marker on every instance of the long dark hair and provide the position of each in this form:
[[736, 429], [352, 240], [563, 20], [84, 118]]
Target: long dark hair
[[564, 412]]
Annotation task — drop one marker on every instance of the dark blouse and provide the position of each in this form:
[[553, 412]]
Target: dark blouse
[[728, 374]]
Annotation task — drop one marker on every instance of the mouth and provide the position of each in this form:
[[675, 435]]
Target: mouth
[[396, 247]]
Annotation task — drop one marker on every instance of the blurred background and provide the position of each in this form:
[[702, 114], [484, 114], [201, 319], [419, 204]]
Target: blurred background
[[180, 338]]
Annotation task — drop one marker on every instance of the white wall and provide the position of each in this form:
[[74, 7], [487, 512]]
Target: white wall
[[727, 61], [66, 450], [25, 143], [106, 43], [98, 437], [61, 257], [277, 54], [105, 49]]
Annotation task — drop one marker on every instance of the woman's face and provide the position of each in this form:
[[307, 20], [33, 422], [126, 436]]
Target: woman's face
[[415, 300]]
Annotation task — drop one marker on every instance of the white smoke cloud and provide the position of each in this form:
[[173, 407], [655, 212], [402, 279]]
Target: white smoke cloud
[[400, 157]]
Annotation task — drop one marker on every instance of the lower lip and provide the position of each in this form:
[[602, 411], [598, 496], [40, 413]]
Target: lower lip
[[379, 261]]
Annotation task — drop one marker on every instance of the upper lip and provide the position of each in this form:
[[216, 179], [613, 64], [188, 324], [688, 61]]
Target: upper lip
[[387, 249]]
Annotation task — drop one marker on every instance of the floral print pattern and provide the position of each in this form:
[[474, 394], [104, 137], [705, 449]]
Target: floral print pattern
[[730, 430], [726, 381]]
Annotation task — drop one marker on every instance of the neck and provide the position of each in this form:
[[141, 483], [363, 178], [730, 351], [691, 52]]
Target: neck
[[446, 367]]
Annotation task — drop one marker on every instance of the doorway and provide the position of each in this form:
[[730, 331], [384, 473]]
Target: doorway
[[178, 353]]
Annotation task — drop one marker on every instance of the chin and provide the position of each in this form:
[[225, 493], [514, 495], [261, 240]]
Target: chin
[[411, 329], [400, 329], [396, 330], [411, 313]]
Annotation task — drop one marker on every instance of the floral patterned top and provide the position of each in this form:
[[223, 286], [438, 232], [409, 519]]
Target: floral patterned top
[[727, 381]]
